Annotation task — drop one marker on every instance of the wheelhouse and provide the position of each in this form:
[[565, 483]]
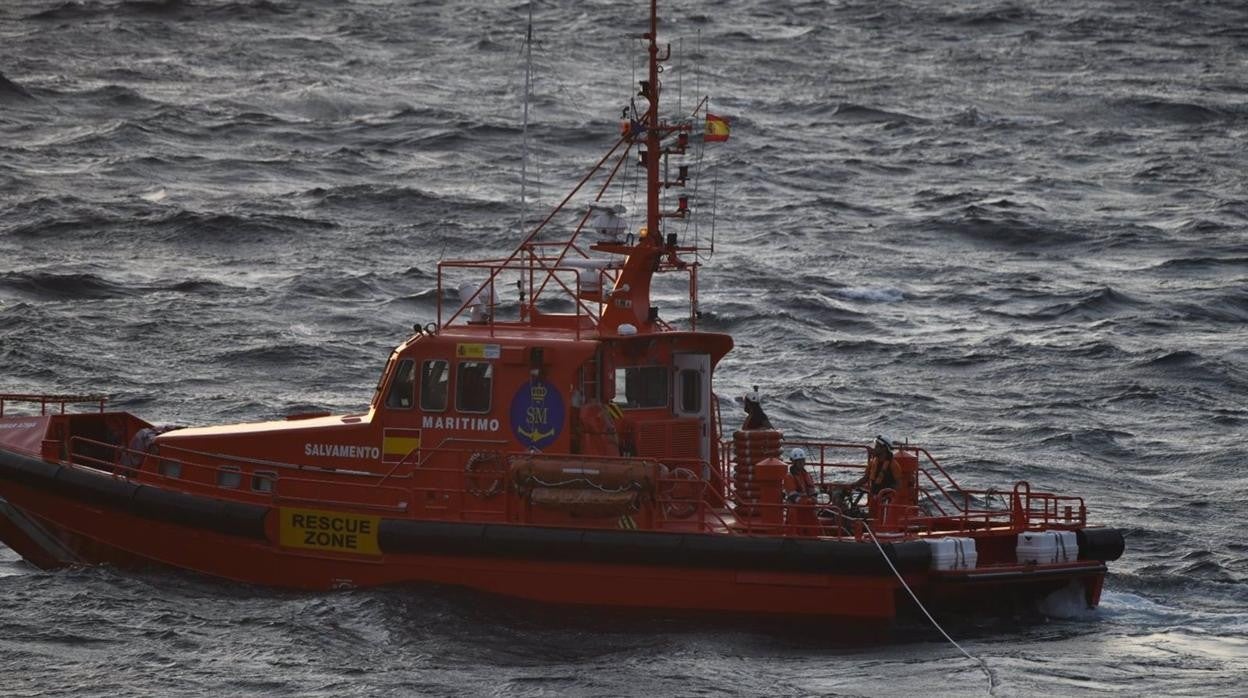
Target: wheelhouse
[[649, 396]]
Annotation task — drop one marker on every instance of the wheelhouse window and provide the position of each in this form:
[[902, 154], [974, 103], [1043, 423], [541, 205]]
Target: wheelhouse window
[[640, 387], [435, 376], [474, 383], [690, 391], [402, 387]]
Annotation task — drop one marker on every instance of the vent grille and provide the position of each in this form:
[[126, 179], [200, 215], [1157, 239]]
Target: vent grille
[[676, 439]]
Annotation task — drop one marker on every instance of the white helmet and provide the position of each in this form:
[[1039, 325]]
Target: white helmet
[[797, 454], [883, 442]]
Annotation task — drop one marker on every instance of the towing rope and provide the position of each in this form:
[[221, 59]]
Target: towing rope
[[992, 679]]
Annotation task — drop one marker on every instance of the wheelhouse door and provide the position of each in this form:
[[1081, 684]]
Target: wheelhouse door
[[692, 393]]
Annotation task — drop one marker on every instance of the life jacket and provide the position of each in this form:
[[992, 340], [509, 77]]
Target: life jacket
[[798, 482], [800, 489], [805, 482], [884, 475], [799, 485]]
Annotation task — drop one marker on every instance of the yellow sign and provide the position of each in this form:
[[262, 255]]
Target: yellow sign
[[478, 351], [328, 530]]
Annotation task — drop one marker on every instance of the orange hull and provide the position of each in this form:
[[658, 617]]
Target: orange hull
[[56, 523], [103, 536]]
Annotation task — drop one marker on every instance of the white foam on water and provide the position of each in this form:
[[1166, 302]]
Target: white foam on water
[[1140, 611], [1067, 603], [155, 196], [885, 294]]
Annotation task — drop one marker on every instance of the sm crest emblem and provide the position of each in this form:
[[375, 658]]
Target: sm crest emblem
[[537, 414]]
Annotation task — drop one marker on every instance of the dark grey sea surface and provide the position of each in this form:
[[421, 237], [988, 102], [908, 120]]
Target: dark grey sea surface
[[1014, 232]]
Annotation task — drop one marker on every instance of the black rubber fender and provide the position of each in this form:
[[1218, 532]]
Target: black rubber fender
[[28, 471], [1104, 544], [220, 515], [768, 553], [102, 489], [98, 487]]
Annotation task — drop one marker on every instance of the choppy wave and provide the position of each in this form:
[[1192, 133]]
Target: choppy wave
[[60, 287], [10, 90], [859, 114]]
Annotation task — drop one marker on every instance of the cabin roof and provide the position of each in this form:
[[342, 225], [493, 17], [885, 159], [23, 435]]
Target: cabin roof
[[717, 343]]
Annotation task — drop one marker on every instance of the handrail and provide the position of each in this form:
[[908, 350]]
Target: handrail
[[421, 460], [571, 242], [118, 469], [245, 460], [676, 501], [50, 399], [532, 235]]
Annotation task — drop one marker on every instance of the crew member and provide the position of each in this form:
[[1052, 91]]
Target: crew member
[[802, 485], [755, 418], [883, 476], [883, 471], [801, 491]]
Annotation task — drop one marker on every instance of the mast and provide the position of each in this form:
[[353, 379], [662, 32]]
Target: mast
[[524, 138], [652, 131], [625, 308], [630, 298]]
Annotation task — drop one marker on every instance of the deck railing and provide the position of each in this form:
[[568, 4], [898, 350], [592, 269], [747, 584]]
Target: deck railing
[[46, 401], [677, 498]]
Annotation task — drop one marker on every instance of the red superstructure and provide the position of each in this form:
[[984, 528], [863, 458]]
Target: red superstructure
[[571, 457]]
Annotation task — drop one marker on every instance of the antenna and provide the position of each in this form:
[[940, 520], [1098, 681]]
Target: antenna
[[680, 75], [524, 138]]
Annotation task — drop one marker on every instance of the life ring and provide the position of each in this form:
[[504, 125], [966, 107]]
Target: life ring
[[681, 492], [483, 474]]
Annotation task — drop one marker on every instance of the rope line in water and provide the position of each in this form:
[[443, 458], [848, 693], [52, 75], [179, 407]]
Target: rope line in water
[[992, 680]]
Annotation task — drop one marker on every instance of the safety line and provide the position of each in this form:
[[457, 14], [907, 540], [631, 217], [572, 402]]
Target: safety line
[[992, 680]]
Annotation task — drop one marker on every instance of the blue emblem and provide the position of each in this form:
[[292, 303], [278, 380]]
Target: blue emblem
[[537, 414]]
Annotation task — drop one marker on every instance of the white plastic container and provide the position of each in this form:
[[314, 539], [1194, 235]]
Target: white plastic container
[[953, 553], [1047, 547]]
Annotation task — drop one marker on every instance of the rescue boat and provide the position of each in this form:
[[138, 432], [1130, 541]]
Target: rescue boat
[[565, 447]]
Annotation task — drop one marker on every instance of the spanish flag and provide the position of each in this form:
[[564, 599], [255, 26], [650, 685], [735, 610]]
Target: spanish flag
[[716, 128], [398, 444]]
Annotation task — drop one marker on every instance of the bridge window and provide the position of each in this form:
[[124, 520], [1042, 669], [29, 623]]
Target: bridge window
[[434, 377], [638, 387], [690, 391], [474, 383], [400, 397]]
